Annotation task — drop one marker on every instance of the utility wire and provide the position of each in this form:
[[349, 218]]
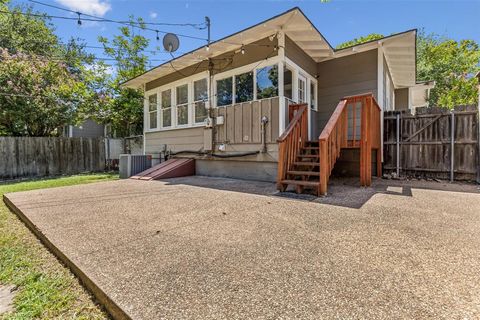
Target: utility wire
[[134, 24]]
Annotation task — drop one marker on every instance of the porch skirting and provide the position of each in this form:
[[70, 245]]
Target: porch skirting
[[246, 170]]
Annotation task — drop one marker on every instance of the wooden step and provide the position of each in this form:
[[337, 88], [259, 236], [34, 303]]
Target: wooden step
[[310, 148], [301, 183], [304, 173], [303, 163]]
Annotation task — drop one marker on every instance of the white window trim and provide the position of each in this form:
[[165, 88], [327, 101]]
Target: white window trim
[[189, 111], [192, 98], [149, 112], [171, 109], [240, 70], [296, 70], [172, 86]]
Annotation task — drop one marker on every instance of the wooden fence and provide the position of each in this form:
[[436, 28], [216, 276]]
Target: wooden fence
[[48, 156], [433, 143]]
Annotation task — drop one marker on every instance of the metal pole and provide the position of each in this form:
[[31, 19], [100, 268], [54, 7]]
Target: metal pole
[[452, 145], [398, 144]]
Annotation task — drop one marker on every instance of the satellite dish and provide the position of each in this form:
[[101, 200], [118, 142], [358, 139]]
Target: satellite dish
[[171, 42]]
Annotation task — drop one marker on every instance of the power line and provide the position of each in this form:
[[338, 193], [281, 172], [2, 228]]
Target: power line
[[199, 26], [134, 24]]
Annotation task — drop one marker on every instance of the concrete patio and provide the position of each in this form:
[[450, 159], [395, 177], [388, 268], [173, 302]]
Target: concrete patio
[[205, 248]]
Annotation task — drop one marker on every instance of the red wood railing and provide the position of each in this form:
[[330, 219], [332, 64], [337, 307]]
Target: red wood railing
[[291, 141], [335, 136]]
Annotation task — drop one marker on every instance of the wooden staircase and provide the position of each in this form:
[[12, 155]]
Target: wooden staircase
[[309, 164], [305, 171]]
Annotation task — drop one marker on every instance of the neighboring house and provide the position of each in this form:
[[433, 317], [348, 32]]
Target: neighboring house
[[214, 98], [87, 129]]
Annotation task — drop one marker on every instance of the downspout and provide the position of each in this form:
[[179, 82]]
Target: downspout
[[210, 104]]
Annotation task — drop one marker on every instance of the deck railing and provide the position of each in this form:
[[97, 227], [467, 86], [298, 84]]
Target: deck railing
[[291, 141], [341, 132]]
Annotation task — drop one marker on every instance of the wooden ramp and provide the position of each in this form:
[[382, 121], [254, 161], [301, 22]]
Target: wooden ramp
[[171, 168]]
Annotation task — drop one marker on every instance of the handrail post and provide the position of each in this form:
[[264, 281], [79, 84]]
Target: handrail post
[[322, 188]]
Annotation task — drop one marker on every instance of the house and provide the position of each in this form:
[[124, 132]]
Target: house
[[261, 103], [87, 129]]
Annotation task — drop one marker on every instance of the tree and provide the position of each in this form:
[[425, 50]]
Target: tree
[[370, 37], [124, 110], [452, 65], [23, 32], [43, 82], [38, 95]]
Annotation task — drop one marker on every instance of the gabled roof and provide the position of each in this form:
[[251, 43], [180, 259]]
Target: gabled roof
[[399, 49], [293, 23], [400, 54]]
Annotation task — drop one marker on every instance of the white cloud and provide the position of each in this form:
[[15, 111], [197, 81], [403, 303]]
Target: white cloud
[[94, 7], [153, 15]]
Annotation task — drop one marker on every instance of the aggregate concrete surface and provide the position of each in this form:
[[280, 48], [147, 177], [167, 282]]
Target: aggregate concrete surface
[[206, 248]]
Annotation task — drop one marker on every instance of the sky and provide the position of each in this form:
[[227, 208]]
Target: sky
[[337, 20]]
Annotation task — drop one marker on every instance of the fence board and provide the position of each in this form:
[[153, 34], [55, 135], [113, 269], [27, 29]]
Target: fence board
[[46, 156], [425, 143]]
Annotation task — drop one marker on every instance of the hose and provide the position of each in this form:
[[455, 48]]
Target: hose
[[203, 153]]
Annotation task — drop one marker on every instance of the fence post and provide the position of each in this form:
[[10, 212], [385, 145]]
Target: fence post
[[398, 144], [452, 145]]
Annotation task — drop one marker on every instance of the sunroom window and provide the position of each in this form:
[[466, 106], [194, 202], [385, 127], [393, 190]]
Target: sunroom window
[[152, 111], [167, 108], [267, 82], [244, 87], [182, 105], [200, 97], [224, 92], [287, 83]]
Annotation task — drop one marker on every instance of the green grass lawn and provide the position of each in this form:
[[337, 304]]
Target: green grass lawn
[[46, 289]]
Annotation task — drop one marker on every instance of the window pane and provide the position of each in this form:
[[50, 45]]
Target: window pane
[[153, 120], [312, 95], [301, 90], [244, 87], [267, 82], [182, 114], [200, 112], [200, 90], [152, 102], [167, 117], [224, 92], [287, 83], [182, 94], [166, 99]]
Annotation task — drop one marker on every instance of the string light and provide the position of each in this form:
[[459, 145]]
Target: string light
[[158, 38], [242, 50], [79, 21]]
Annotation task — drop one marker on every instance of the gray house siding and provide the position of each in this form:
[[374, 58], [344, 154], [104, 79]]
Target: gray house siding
[[401, 99], [337, 78], [299, 57], [88, 129]]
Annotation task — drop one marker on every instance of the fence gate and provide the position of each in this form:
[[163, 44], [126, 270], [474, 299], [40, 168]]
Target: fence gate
[[434, 143]]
